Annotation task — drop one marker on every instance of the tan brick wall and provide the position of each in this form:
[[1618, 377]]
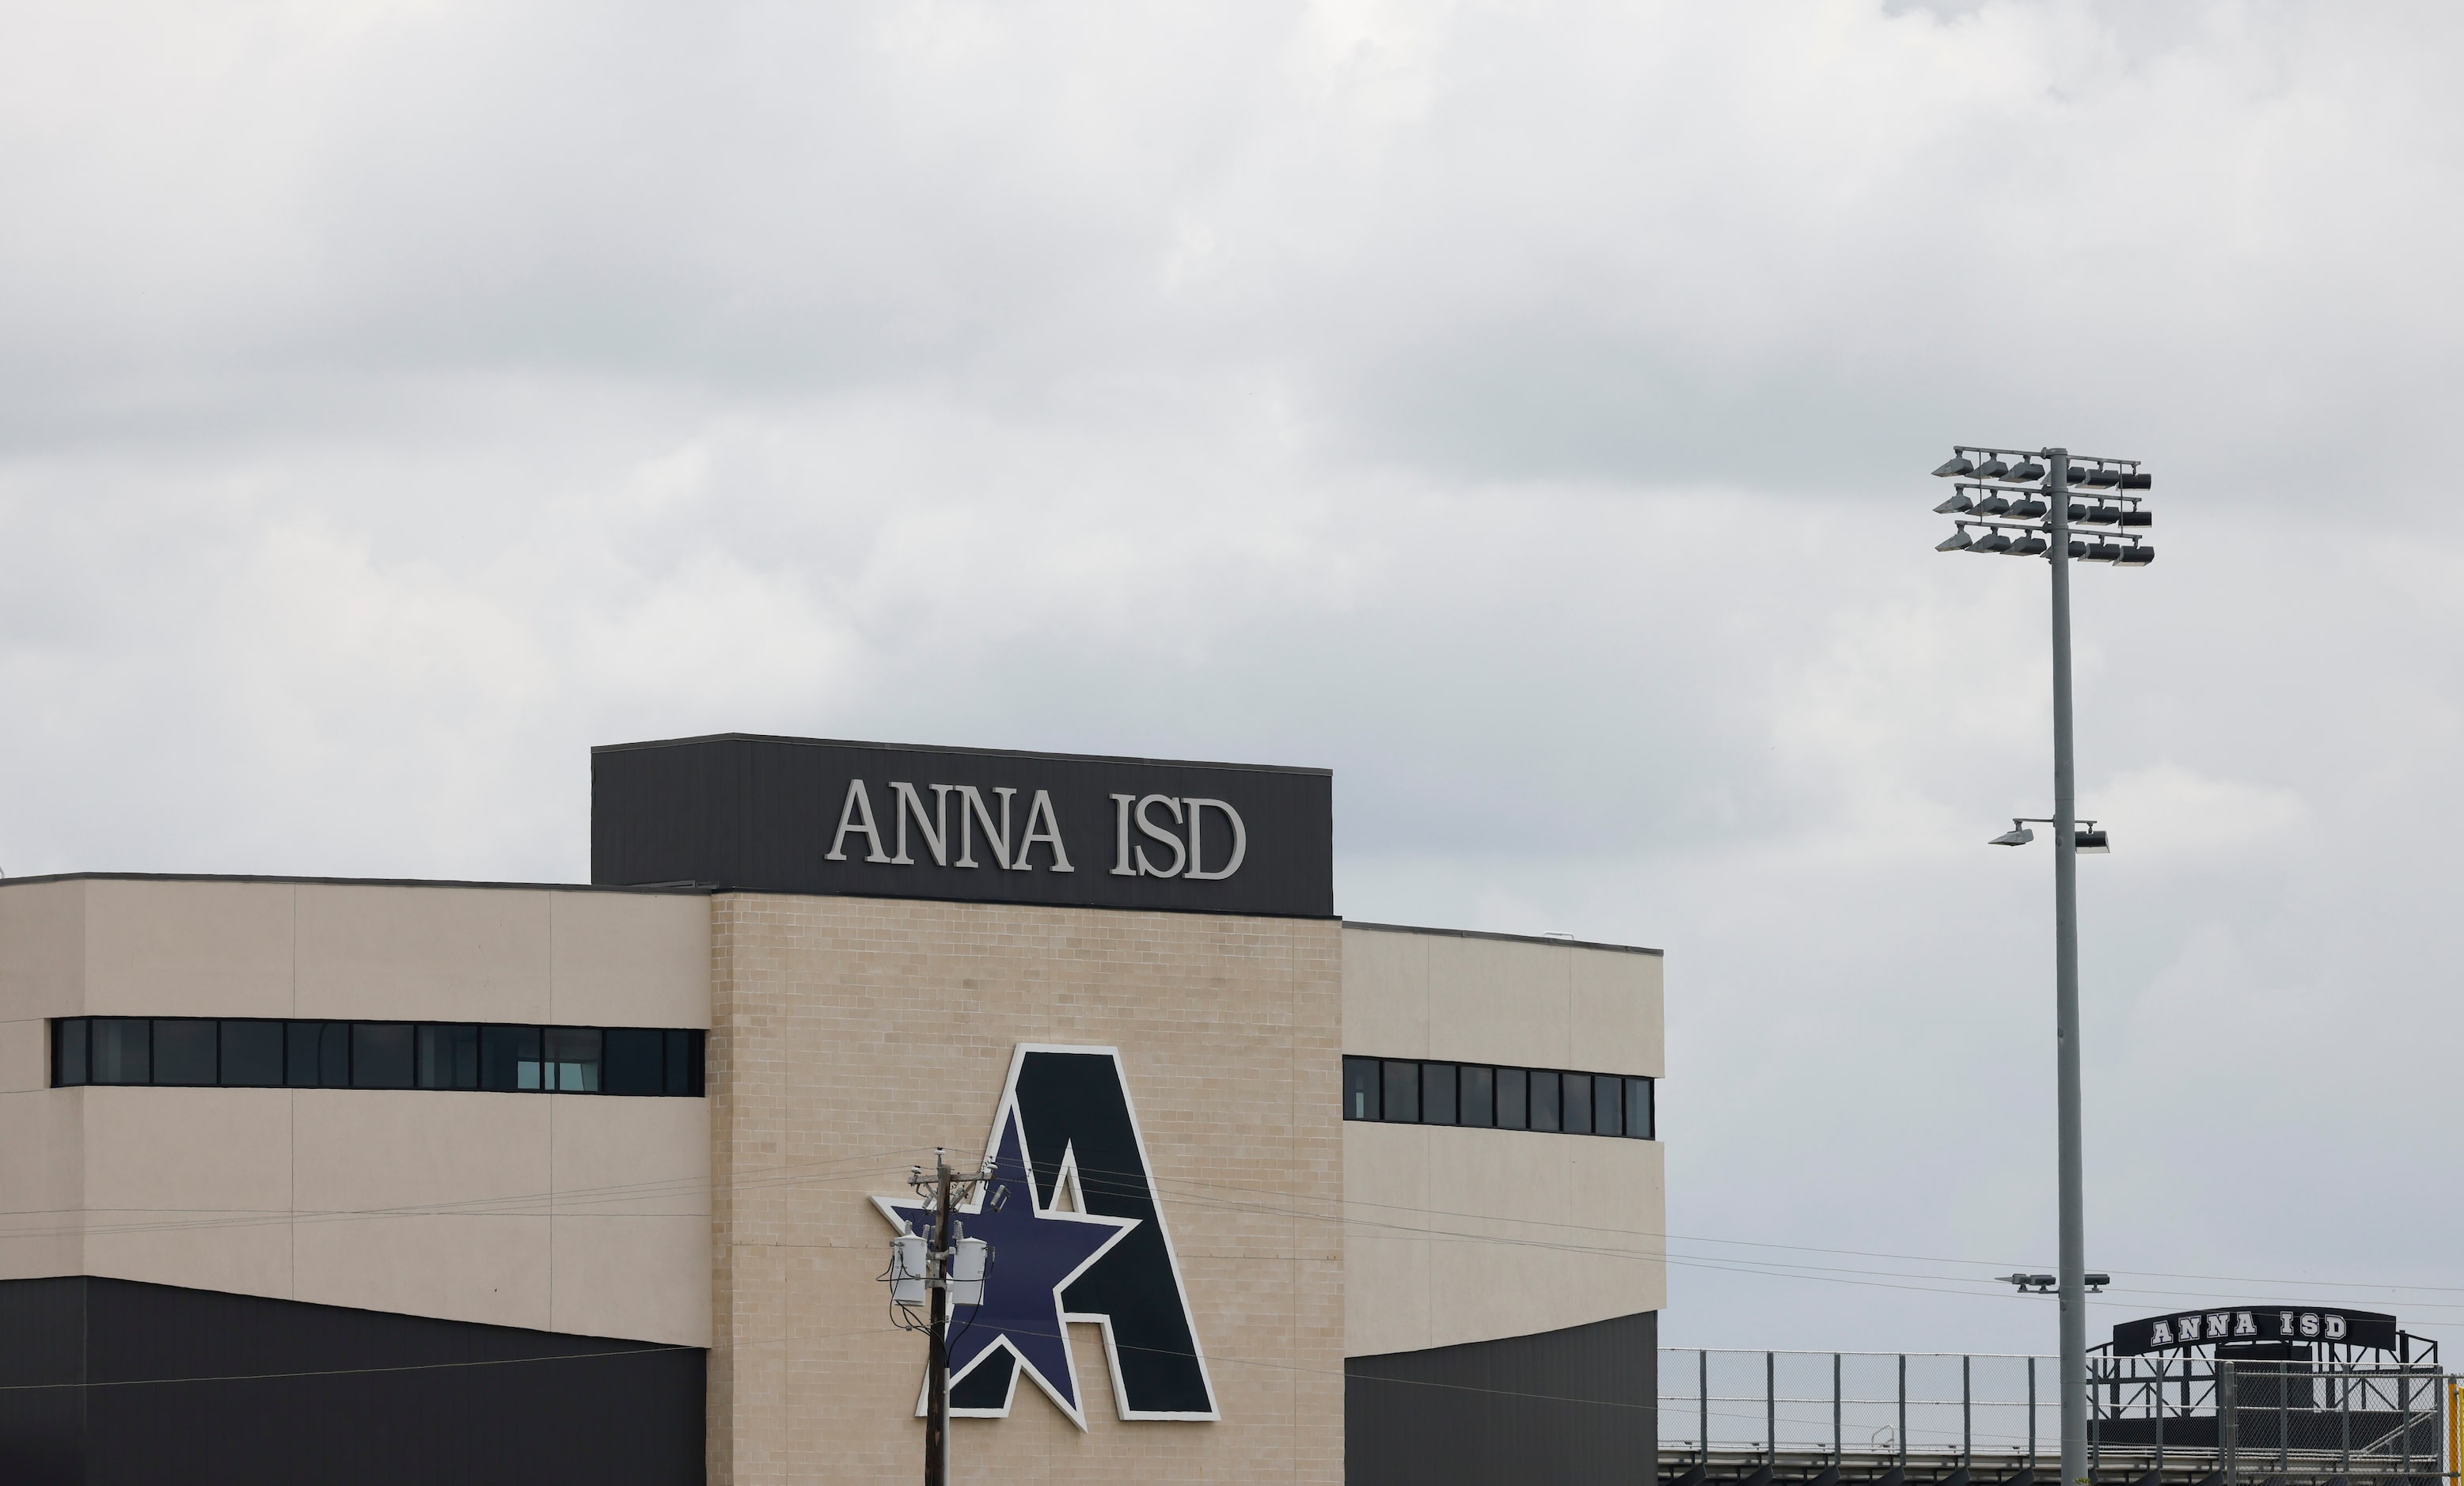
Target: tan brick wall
[[852, 1036]]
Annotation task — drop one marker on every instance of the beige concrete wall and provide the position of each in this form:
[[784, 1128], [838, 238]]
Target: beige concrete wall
[[1455, 1235], [852, 1036], [578, 1214]]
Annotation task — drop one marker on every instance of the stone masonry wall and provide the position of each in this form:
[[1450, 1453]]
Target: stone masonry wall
[[852, 1036]]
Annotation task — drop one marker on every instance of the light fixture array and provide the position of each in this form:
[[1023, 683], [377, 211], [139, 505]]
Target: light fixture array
[[2006, 495]]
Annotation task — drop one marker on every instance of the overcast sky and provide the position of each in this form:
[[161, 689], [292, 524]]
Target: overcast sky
[[1522, 408]]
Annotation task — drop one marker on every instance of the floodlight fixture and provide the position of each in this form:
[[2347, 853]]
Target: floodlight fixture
[[1954, 505], [2052, 504], [2095, 1282]]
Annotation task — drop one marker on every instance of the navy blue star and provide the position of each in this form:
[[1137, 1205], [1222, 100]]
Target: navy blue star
[[1036, 1252]]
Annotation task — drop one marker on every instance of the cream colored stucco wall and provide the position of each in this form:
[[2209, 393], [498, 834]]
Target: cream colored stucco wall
[[854, 1035], [580, 1215], [1454, 1235]]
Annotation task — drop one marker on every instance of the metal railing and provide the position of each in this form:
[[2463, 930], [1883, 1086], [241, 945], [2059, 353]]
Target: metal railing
[[1963, 1417]]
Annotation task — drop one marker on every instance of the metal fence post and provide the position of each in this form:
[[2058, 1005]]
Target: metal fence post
[[2404, 1414], [1903, 1411], [2157, 1393], [1771, 1408], [2283, 1417], [2032, 1418], [1838, 1453], [1703, 1398], [1967, 1416], [2229, 1421], [2345, 1428]]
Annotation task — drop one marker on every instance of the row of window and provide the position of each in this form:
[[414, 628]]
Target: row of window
[[255, 1053], [1403, 1092]]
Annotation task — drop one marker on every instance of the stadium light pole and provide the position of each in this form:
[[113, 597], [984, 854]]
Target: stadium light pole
[[2001, 496]]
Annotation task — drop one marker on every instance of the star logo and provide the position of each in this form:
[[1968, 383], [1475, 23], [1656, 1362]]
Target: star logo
[[1067, 1247]]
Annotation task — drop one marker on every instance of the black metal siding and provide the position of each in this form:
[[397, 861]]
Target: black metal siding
[[1569, 1407], [759, 814], [198, 1387]]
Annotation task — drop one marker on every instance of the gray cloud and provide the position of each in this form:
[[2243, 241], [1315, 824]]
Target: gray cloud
[[1520, 410]]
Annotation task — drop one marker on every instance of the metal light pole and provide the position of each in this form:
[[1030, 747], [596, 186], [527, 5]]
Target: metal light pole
[[2043, 520]]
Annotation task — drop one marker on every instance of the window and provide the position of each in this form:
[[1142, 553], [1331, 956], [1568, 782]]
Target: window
[[246, 1052], [1478, 1105], [684, 1061], [1514, 1099], [253, 1054], [1407, 1091], [186, 1050], [123, 1050], [448, 1057], [573, 1060], [1545, 1113], [1403, 1092], [68, 1052], [1638, 1121], [1360, 1100], [381, 1055], [634, 1061]]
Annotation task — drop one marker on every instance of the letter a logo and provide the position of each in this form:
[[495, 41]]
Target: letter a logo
[[1077, 1236]]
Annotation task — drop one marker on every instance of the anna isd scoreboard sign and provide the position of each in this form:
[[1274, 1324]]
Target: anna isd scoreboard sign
[[873, 820], [2242, 1325]]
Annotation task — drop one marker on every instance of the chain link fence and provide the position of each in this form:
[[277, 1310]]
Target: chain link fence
[[1976, 1417]]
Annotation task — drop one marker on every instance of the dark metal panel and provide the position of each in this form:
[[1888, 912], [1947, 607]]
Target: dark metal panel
[[1574, 1405], [42, 1423], [763, 814], [200, 1387]]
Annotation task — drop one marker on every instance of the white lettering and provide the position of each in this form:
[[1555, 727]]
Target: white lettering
[[2161, 1336], [858, 808], [2284, 1323], [2335, 1327], [1240, 840], [972, 809], [2244, 1325], [2309, 1324], [1146, 827], [935, 832], [1050, 835], [2219, 1326], [1121, 804]]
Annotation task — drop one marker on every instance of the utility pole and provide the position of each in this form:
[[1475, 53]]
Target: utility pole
[[939, 1270], [2022, 522], [936, 1409]]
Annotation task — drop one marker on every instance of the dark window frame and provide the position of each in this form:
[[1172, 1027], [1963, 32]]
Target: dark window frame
[[1612, 1106], [322, 1052]]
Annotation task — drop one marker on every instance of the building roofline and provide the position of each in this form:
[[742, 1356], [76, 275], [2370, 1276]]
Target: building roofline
[[937, 748], [1482, 934], [701, 888]]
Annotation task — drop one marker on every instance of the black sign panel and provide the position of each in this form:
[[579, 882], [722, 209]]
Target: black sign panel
[[2228, 1325], [873, 820]]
